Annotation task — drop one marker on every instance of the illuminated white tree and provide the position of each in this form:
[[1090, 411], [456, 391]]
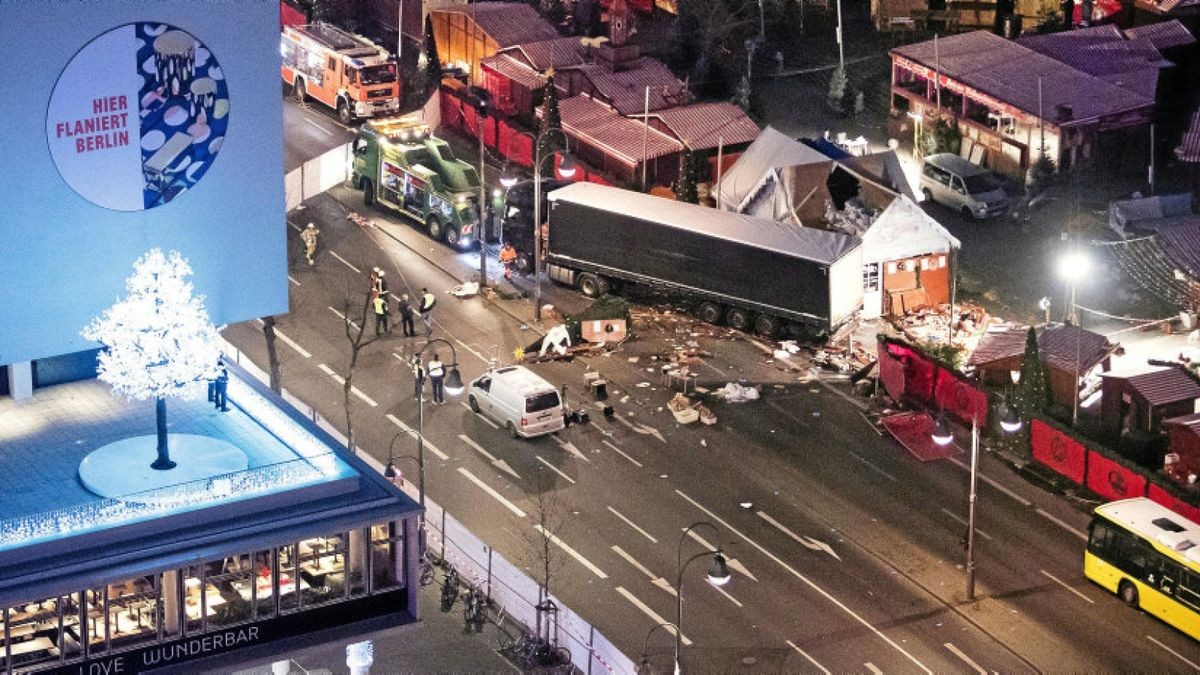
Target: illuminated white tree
[[159, 340]]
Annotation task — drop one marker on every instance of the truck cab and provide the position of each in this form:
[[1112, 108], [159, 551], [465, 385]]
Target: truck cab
[[399, 164]]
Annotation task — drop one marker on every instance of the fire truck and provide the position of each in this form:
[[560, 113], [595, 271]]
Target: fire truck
[[346, 72], [399, 164]]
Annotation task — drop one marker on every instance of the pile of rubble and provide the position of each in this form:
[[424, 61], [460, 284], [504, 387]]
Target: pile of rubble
[[932, 324]]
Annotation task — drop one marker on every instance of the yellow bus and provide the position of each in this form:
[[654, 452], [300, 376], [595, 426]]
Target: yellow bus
[[1150, 557]]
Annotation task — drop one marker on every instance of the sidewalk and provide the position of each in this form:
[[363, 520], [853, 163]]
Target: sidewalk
[[436, 644]]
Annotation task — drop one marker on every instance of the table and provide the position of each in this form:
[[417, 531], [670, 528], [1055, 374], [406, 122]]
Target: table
[[683, 376], [213, 600], [30, 646], [317, 573], [265, 589]]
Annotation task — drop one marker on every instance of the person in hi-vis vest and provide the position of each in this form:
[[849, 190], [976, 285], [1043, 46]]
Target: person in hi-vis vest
[[437, 373]]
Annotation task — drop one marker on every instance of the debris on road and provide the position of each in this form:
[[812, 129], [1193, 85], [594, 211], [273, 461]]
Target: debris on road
[[465, 290], [733, 392]]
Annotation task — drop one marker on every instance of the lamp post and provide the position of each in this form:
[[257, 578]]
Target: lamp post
[[454, 387], [567, 169], [718, 575], [917, 119], [644, 662], [483, 103], [1073, 267], [942, 435]]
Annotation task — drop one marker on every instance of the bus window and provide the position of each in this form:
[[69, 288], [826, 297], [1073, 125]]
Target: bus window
[[1188, 591]]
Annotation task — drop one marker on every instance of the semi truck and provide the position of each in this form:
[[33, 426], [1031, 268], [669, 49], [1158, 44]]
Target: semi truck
[[750, 273], [399, 164], [344, 71]]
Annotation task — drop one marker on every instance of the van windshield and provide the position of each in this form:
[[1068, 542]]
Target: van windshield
[[980, 183], [543, 401]]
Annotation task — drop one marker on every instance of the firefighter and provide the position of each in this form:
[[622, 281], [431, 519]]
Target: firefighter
[[309, 235], [508, 257]]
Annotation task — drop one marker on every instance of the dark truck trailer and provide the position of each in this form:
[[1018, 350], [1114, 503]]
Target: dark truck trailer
[[750, 272]]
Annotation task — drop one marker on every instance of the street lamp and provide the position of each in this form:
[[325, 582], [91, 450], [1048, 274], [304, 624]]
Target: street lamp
[[567, 169], [718, 575], [644, 662], [1074, 267], [483, 102], [942, 435], [454, 387]]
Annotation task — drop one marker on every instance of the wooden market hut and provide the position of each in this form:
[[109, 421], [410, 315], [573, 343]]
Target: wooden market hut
[[1143, 400], [1002, 348]]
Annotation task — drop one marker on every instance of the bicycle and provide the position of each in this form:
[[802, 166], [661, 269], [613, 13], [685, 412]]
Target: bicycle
[[450, 589], [475, 612], [426, 563]]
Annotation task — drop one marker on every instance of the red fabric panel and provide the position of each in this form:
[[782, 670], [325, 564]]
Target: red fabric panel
[[451, 110], [489, 132], [1111, 480], [1172, 502], [469, 124], [1057, 450], [516, 146], [891, 372]]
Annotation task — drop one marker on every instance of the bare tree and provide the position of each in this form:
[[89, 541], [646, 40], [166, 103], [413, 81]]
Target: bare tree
[[356, 335], [546, 556], [272, 355]]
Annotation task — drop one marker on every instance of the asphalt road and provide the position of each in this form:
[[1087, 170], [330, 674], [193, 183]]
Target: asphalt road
[[308, 131], [846, 548]]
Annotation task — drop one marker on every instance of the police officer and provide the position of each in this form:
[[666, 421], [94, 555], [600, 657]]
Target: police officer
[[418, 372], [222, 384], [437, 373], [406, 316], [380, 304]]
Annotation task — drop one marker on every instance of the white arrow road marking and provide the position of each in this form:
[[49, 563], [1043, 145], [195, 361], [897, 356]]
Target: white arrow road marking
[[619, 452], [353, 389], [733, 564], [334, 254], [488, 489], [1175, 653], [810, 659], [289, 342], [570, 551], [962, 520], [293, 280], [499, 463], [345, 318], [641, 428], [570, 447], [1062, 583], [413, 432], [481, 416], [654, 578], [652, 614], [631, 524], [807, 542], [873, 668], [808, 582], [958, 652], [555, 469]]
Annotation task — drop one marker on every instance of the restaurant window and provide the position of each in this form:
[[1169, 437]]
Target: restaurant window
[[95, 627], [322, 573], [264, 600], [34, 634], [234, 579], [131, 612], [387, 556], [286, 568], [201, 599]]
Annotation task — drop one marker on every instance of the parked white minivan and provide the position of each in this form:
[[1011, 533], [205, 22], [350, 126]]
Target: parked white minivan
[[952, 181], [518, 398]]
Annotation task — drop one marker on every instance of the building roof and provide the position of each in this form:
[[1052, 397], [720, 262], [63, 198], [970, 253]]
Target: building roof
[[1189, 422], [1188, 149], [1009, 72], [817, 245], [1104, 52], [1165, 6], [771, 150], [1182, 244], [904, 230], [1057, 345], [545, 54], [701, 126], [1163, 35], [620, 137], [626, 89], [514, 70], [1162, 386], [508, 23]]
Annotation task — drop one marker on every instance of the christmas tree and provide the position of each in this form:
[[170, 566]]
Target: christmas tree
[[159, 340], [550, 135], [1033, 388], [686, 186], [433, 64]]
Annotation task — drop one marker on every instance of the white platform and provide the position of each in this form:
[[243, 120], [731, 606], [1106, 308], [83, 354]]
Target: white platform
[[122, 469]]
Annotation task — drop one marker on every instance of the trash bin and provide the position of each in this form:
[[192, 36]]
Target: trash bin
[[599, 389]]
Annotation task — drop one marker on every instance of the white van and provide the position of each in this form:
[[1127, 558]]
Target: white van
[[952, 181], [515, 396]]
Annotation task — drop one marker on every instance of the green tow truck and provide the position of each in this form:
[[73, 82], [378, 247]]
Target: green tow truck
[[400, 164]]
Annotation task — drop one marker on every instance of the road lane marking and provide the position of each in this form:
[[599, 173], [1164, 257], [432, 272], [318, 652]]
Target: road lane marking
[[468, 407], [555, 469], [347, 262], [1062, 583], [808, 582], [873, 425], [345, 318], [413, 432], [873, 668], [488, 489], [959, 463], [853, 400], [631, 524], [813, 661], [730, 561], [621, 453], [498, 463], [1068, 528], [353, 389], [725, 593], [966, 659], [872, 466], [293, 280], [288, 341], [964, 523], [318, 127], [652, 614], [641, 428], [476, 354], [570, 447], [654, 578], [1174, 653], [807, 542], [570, 551]]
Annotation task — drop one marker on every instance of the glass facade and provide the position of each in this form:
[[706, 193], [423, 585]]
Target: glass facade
[[203, 599]]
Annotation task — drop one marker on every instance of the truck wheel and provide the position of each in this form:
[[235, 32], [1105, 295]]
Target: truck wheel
[[298, 91], [738, 319], [434, 227], [710, 312], [452, 236], [344, 113], [368, 190], [928, 195], [590, 285], [473, 403], [766, 326]]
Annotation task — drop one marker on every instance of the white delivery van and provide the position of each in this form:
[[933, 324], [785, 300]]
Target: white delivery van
[[518, 398], [952, 181]]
